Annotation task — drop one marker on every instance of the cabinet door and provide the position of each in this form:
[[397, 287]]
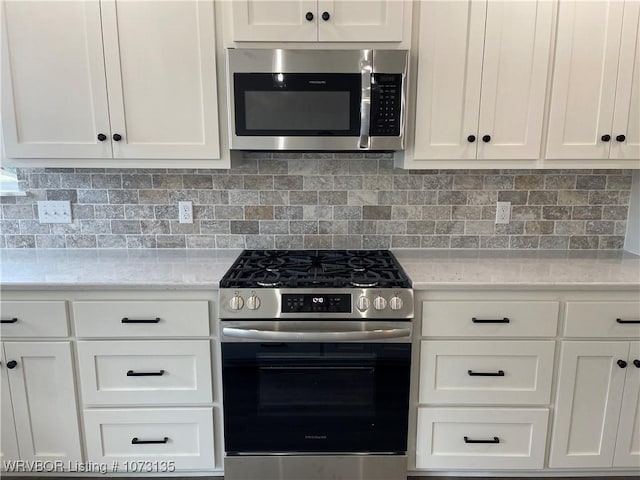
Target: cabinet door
[[275, 20], [54, 94], [8, 438], [584, 78], [161, 78], [44, 401], [514, 78], [628, 445], [590, 386], [449, 75], [360, 20], [626, 119]]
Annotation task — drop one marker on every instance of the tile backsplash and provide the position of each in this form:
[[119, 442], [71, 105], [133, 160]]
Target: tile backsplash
[[318, 200]]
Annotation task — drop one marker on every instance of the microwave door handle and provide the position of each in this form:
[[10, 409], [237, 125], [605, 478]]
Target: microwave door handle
[[279, 336], [365, 99]]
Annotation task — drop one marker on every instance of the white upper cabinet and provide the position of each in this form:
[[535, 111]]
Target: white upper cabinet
[[54, 95], [481, 84], [318, 20], [110, 79], [595, 102]]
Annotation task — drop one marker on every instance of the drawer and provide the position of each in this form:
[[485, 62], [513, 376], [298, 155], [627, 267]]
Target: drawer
[[141, 319], [34, 319], [180, 435], [602, 319], [500, 438], [486, 372], [145, 372], [489, 319]]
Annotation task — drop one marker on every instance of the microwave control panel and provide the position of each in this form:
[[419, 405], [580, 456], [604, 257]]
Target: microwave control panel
[[386, 91]]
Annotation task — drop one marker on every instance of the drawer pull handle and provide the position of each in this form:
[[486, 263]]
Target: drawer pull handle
[[499, 373], [136, 441], [619, 320], [470, 440], [131, 373], [132, 320], [490, 320], [9, 320]]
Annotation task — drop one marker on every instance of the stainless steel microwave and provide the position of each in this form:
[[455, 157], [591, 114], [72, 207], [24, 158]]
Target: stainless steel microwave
[[321, 100]]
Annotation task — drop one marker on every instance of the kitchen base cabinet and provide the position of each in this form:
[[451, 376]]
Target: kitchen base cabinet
[[8, 436], [41, 385], [481, 438], [596, 380], [151, 440]]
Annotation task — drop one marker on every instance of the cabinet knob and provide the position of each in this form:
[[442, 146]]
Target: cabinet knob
[[117, 137], [471, 138], [102, 137], [12, 364], [486, 138], [636, 362], [309, 16], [605, 138], [326, 16], [621, 138], [622, 363]]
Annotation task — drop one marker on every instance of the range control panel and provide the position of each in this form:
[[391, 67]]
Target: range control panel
[[385, 104], [316, 303]]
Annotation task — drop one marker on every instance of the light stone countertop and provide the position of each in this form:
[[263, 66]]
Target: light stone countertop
[[180, 269]]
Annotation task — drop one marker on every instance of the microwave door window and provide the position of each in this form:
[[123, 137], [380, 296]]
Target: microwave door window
[[297, 104]]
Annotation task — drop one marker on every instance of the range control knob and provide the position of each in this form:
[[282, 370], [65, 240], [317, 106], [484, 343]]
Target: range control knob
[[379, 303], [253, 302], [395, 303], [236, 303], [363, 303]]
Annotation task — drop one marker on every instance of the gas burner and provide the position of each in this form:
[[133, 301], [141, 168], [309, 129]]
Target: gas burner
[[315, 269]]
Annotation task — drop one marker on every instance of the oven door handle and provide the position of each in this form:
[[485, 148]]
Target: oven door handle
[[280, 336]]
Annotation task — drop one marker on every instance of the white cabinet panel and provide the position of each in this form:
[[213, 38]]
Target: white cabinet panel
[[590, 386], [602, 319], [274, 20], [484, 372], [514, 78], [449, 76], [360, 20], [627, 452], [44, 401], [8, 436], [54, 95], [145, 372], [160, 59], [511, 438], [34, 319], [182, 435]]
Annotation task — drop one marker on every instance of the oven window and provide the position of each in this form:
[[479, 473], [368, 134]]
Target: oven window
[[300, 387], [297, 104]]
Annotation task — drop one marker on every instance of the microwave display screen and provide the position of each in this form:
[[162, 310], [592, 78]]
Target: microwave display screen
[[296, 110]]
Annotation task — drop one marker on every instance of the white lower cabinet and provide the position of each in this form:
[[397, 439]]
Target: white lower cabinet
[[38, 394], [481, 438], [597, 421], [133, 439]]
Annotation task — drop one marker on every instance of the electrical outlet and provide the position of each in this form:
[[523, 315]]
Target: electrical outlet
[[185, 212], [54, 211], [503, 212]]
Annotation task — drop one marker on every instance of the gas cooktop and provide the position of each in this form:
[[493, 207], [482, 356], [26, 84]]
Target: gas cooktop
[[316, 269]]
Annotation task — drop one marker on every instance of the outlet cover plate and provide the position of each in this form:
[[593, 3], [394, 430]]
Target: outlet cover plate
[[185, 212], [54, 211], [503, 212]]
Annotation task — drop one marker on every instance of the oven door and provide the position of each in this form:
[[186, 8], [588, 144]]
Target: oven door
[[315, 397]]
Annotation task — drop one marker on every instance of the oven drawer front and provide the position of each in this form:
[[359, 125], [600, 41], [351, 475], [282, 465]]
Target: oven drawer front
[[603, 319], [34, 319], [490, 373], [145, 372], [505, 438], [102, 319], [181, 435], [489, 319]]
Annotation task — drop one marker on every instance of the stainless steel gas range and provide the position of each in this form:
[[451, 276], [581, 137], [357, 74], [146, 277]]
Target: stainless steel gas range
[[316, 349]]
